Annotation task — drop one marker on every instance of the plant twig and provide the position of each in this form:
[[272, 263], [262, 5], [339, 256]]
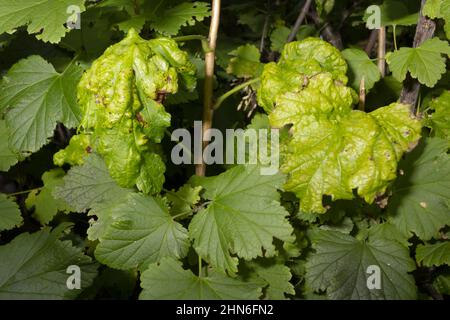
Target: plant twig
[[265, 30], [411, 87], [299, 20], [200, 169], [372, 41], [382, 51], [327, 30], [362, 94]]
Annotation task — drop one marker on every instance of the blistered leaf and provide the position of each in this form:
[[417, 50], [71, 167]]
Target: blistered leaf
[[35, 98], [300, 61], [334, 149], [75, 152], [243, 217], [332, 268], [433, 254], [120, 97], [185, 285], [10, 216], [34, 266], [424, 63], [46, 18], [421, 195], [141, 231]]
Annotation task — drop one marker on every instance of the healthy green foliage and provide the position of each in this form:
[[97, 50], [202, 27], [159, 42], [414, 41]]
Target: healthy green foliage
[[439, 120], [361, 67], [9, 213], [434, 254], [33, 266], [439, 9], [44, 203], [185, 285], [245, 62], [88, 185], [333, 268], [424, 63], [35, 97], [45, 17], [242, 217], [7, 157], [183, 201], [141, 231], [420, 196]]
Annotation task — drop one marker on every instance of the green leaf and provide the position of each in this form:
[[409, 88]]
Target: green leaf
[[340, 264], [45, 17], [242, 218], [433, 254], [439, 121], [421, 195], [33, 266], [360, 66], [7, 157], [442, 283], [300, 61], [124, 113], [334, 149], [170, 21], [141, 231], [88, 184], [245, 62], [10, 216], [278, 38], [36, 97], [439, 9], [275, 275], [424, 63], [183, 200], [46, 206], [388, 231], [185, 285]]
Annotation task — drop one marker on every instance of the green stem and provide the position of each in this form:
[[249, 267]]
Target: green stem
[[199, 266], [394, 30], [193, 37], [238, 88], [23, 192]]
